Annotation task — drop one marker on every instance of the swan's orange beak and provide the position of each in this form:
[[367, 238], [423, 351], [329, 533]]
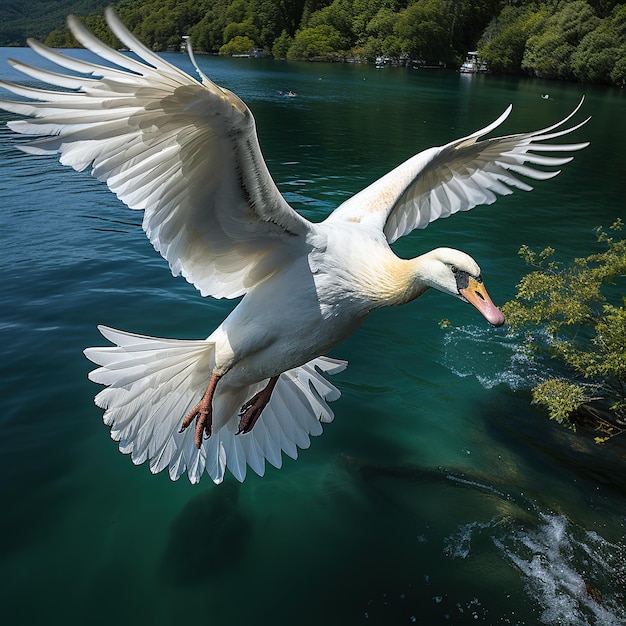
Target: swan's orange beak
[[476, 294]]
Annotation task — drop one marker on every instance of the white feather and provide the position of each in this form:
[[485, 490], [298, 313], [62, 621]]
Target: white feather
[[187, 154], [152, 382], [411, 195]]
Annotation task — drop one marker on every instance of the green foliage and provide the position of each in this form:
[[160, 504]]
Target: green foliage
[[95, 23], [576, 40], [207, 34], [301, 29], [281, 45], [582, 40], [240, 44], [549, 53], [561, 397], [469, 20], [503, 43], [425, 29], [37, 18], [379, 35], [244, 29], [601, 55], [338, 15], [586, 331], [319, 43]]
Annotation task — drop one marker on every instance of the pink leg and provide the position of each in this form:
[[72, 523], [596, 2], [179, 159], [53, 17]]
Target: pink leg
[[252, 409], [202, 412]]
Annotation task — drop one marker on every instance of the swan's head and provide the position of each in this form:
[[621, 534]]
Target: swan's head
[[457, 274]]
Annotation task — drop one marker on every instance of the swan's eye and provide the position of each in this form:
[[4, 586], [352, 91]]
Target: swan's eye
[[454, 269]]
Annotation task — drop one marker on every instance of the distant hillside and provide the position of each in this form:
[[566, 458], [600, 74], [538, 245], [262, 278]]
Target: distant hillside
[[582, 40], [36, 18]]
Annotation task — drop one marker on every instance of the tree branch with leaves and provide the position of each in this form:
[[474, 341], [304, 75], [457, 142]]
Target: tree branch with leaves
[[576, 314]]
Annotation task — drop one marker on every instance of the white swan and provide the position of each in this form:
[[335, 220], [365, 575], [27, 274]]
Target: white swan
[[186, 153]]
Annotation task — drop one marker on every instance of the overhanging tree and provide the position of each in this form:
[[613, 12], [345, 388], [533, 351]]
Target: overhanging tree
[[580, 309]]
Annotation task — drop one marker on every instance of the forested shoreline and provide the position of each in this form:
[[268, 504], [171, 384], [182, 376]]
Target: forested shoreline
[[579, 40]]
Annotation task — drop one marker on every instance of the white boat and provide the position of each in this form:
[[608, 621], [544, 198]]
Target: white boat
[[473, 65]]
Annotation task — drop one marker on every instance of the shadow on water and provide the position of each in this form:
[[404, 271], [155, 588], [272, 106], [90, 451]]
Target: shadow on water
[[207, 538], [378, 481], [553, 449]]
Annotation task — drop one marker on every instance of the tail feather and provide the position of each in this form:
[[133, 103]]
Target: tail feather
[[267, 446], [153, 383]]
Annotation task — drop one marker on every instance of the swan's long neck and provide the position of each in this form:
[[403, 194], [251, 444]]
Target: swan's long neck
[[367, 272], [397, 281]]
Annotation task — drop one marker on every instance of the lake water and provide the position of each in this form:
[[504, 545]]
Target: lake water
[[438, 495]]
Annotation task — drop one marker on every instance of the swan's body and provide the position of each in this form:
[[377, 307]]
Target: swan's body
[[321, 296], [187, 154]]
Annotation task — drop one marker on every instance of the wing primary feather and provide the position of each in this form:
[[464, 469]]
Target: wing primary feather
[[89, 41], [490, 127], [133, 44], [460, 175], [564, 121], [76, 65], [569, 147], [52, 78], [548, 136], [206, 81], [211, 174], [34, 93], [539, 160], [530, 172]]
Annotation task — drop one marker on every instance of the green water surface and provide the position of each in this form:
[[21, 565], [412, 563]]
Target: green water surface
[[438, 495]]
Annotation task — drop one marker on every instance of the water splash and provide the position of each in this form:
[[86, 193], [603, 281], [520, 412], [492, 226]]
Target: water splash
[[574, 576], [492, 357], [459, 545]]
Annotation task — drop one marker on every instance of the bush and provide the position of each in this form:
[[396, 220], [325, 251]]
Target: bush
[[320, 43], [237, 45], [586, 331]]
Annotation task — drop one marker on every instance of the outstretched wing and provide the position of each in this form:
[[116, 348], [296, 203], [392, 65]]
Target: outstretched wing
[[185, 152], [441, 181]]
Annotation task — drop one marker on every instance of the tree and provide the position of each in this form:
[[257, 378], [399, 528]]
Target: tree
[[504, 41], [244, 29], [549, 53], [618, 73], [270, 21], [364, 11], [379, 36], [281, 45], [339, 15], [240, 44], [95, 23], [207, 34], [566, 39], [320, 43], [601, 52], [585, 331], [425, 27], [468, 21]]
